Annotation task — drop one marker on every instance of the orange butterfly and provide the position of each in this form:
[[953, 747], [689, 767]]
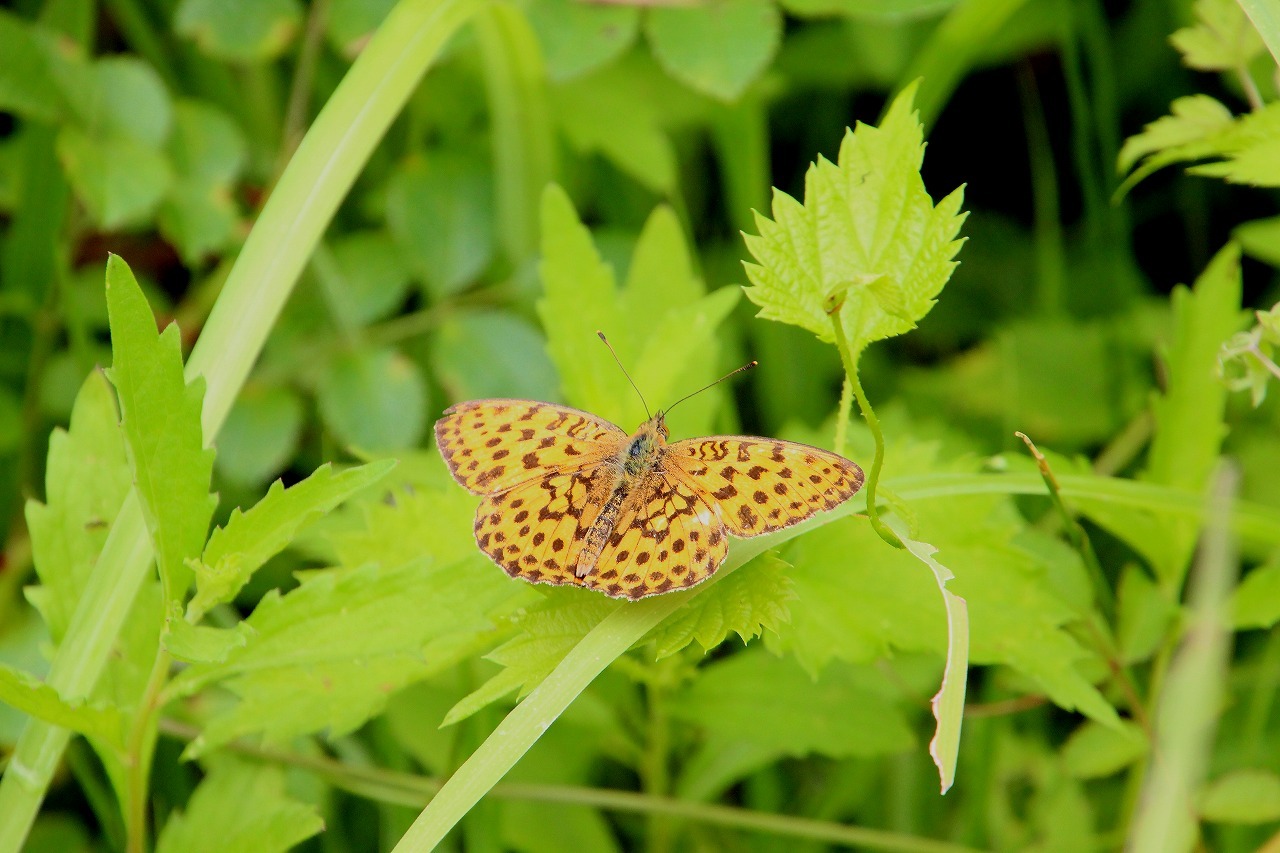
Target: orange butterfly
[[569, 498]]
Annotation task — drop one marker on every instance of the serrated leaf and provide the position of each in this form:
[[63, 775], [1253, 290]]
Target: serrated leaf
[[718, 47], [755, 698], [856, 600], [327, 655], [1242, 796], [1223, 38], [1189, 416], [866, 219], [747, 603], [200, 643], [1095, 751], [547, 633], [1242, 149], [239, 548], [33, 697], [661, 324], [87, 478], [239, 32], [239, 806], [161, 418]]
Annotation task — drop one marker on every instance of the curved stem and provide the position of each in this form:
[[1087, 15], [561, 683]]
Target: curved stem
[[873, 476]]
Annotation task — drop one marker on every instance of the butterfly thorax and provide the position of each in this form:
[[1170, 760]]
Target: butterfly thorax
[[637, 459]]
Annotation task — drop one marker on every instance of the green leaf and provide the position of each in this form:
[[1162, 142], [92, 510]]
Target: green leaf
[[519, 369], [547, 633], [947, 704], [577, 38], [33, 697], [239, 32], [374, 399], [1260, 238], [327, 655], [1243, 149], [1255, 603], [753, 697], [239, 805], [1095, 751], [867, 236], [374, 275], [86, 479], [118, 179], [874, 10], [624, 112], [240, 547], [1145, 615], [208, 152], [1189, 416], [1223, 38], [125, 98], [161, 417], [199, 643], [1242, 796], [662, 324], [719, 47], [747, 603], [440, 210], [350, 23], [260, 435], [28, 79]]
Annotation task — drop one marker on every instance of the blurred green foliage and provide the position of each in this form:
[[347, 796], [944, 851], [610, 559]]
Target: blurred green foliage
[[310, 672]]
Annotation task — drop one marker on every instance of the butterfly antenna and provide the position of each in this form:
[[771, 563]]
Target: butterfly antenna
[[742, 369], [624, 373]]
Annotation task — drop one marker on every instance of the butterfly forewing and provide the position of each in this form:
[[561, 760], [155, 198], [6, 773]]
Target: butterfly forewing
[[492, 445], [761, 485]]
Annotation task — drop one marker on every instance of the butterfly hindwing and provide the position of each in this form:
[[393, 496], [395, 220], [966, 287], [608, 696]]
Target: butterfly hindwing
[[492, 445], [760, 484], [666, 537]]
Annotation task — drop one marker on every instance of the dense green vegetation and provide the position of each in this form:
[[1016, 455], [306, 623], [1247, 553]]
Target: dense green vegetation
[[249, 252]]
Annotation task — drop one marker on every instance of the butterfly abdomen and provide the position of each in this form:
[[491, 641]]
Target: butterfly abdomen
[[599, 532]]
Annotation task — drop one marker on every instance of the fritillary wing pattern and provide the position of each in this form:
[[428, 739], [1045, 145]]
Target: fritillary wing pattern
[[492, 445], [761, 484], [666, 537]]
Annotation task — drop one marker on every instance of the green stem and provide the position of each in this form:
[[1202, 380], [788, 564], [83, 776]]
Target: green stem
[[842, 416], [139, 748], [873, 476], [411, 790]]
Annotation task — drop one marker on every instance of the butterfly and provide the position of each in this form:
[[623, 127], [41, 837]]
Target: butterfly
[[570, 498]]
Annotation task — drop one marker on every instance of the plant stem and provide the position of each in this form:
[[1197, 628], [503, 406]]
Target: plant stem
[[411, 790], [873, 476], [139, 748]]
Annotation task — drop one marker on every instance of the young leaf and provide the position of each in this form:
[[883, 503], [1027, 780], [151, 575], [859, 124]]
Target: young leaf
[[87, 478], [662, 324], [867, 234], [161, 417], [748, 602], [238, 549], [329, 653], [32, 696], [239, 806], [1223, 38]]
